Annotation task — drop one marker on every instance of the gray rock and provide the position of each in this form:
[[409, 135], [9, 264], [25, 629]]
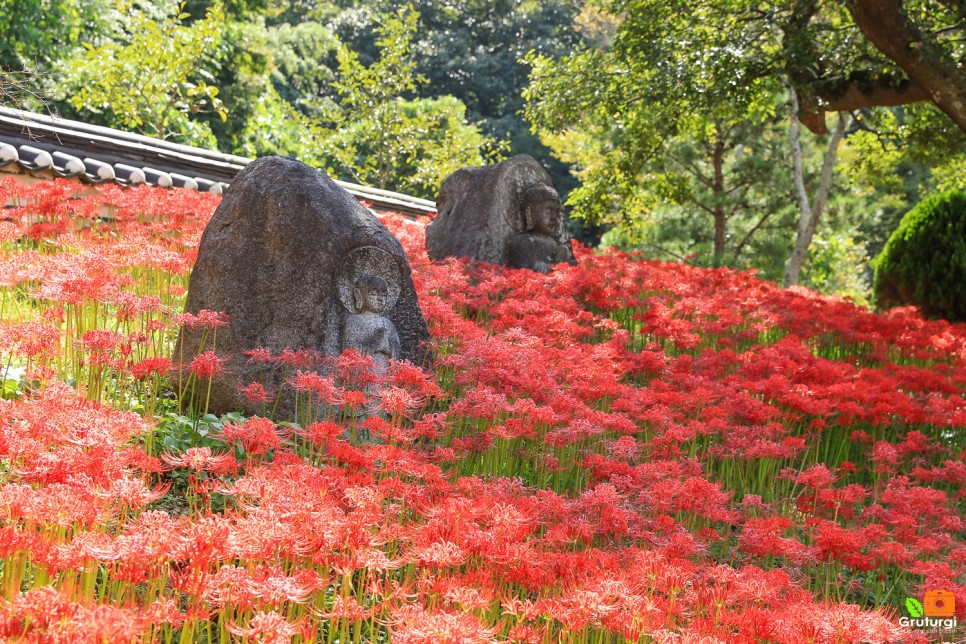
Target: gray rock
[[506, 214], [297, 263]]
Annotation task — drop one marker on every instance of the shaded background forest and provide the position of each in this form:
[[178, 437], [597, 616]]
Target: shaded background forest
[[665, 124]]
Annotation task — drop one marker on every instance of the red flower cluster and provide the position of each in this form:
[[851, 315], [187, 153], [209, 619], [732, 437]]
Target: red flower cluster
[[621, 450]]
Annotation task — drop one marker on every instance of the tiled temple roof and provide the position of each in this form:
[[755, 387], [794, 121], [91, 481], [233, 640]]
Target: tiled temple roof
[[52, 146]]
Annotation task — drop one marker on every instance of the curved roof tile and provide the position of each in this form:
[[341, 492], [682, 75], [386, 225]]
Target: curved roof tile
[[94, 154]]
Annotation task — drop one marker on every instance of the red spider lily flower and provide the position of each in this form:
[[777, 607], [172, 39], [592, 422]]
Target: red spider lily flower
[[356, 368], [817, 477], [139, 460], [151, 367], [299, 359], [264, 585], [201, 459], [211, 319], [259, 354], [162, 612], [763, 537], [255, 393], [443, 455], [47, 615], [99, 344], [409, 376], [133, 493], [310, 381], [257, 435], [625, 447], [204, 318], [380, 428], [397, 402], [441, 554], [885, 454], [354, 399], [129, 305], [268, 628], [468, 598], [322, 432], [413, 625], [206, 366], [343, 609], [429, 426], [186, 320], [573, 461], [54, 314]]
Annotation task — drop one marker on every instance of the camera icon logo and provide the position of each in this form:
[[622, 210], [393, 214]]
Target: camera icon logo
[[939, 603]]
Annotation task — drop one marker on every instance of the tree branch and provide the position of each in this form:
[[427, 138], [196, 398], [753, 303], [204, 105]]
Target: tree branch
[[737, 249], [857, 94], [885, 24], [693, 169], [680, 258]]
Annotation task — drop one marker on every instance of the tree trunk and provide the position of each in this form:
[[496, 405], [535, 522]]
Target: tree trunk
[[885, 24], [718, 190], [809, 214]]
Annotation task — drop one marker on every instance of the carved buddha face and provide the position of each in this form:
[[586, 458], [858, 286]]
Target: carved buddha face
[[542, 210], [370, 294]]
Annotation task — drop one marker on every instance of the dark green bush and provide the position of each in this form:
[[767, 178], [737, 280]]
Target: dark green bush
[[924, 261]]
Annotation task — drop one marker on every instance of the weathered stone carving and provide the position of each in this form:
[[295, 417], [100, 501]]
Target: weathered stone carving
[[365, 329], [297, 263], [539, 247], [506, 213]]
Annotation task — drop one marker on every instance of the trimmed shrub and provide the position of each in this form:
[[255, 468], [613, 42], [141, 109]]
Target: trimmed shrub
[[924, 261]]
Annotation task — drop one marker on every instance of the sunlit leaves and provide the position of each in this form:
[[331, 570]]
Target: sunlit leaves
[[379, 135], [150, 80], [37, 33]]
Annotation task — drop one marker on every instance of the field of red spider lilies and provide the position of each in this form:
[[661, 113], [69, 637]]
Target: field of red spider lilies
[[621, 451]]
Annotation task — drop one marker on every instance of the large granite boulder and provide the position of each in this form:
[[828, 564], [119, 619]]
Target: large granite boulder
[[506, 214], [296, 263]]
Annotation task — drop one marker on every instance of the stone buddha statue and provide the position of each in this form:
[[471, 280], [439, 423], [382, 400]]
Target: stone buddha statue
[[538, 247], [366, 329]]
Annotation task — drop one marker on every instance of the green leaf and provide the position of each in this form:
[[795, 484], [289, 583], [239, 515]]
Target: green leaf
[[914, 607], [11, 388]]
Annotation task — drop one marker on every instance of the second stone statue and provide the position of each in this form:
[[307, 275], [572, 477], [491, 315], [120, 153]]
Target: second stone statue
[[506, 214]]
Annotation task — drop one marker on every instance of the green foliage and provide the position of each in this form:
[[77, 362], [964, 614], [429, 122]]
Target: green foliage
[[380, 137], [150, 79], [898, 154], [615, 110], [837, 264], [265, 73], [473, 50], [303, 74], [37, 33], [656, 78], [924, 261], [683, 174]]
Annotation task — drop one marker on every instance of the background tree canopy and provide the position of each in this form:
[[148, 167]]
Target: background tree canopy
[[280, 72], [661, 108]]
